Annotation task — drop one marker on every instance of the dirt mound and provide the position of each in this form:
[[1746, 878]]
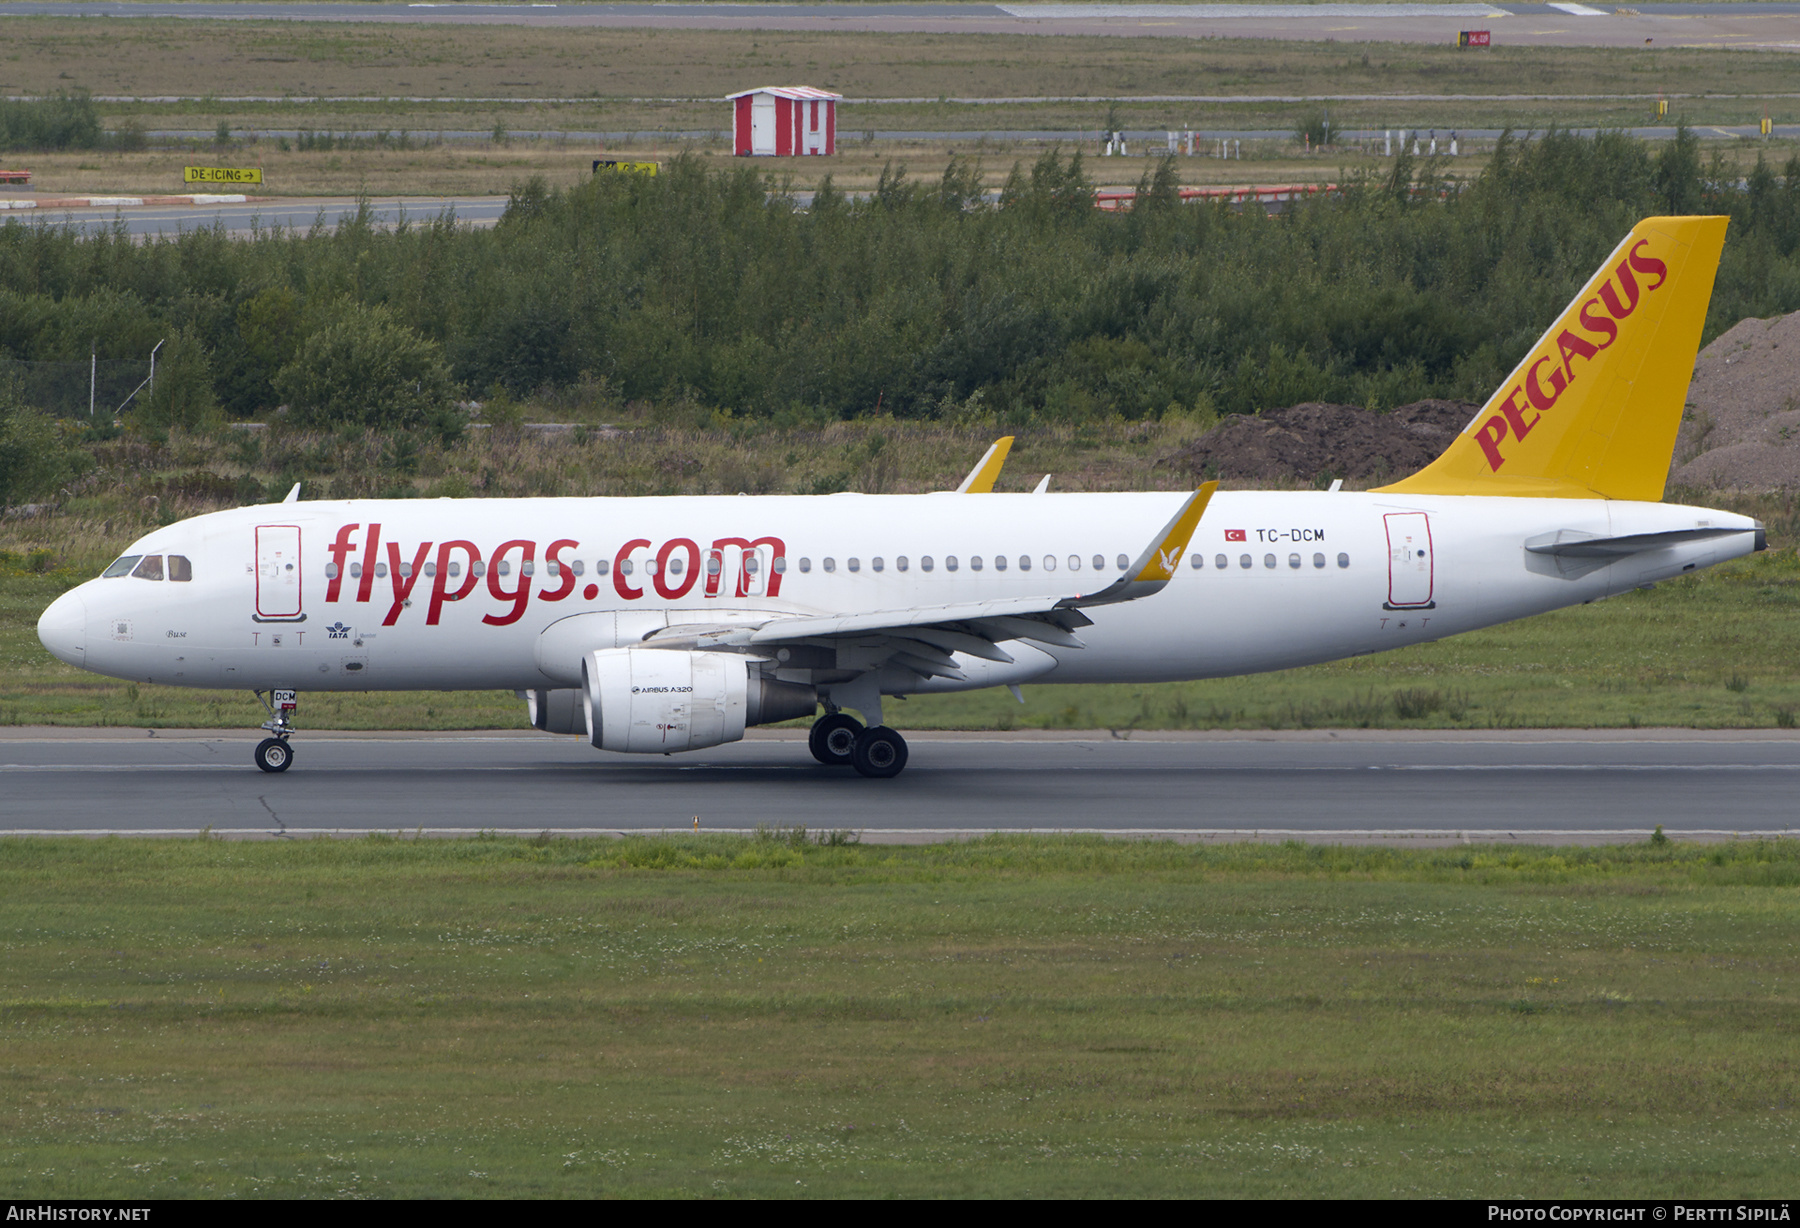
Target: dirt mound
[[1318, 441], [1742, 426]]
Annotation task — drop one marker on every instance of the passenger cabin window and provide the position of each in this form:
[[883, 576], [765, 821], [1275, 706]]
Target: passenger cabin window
[[1124, 562], [150, 568], [1268, 560], [1049, 562], [853, 564], [1343, 560], [1294, 561], [1221, 562], [1024, 562], [1197, 561], [1244, 561], [830, 563], [602, 566], [999, 562], [950, 562], [900, 563], [876, 563], [780, 565], [121, 567], [805, 564], [356, 571], [1318, 560], [576, 567], [925, 563], [1074, 562], [975, 563], [1099, 562], [180, 569]]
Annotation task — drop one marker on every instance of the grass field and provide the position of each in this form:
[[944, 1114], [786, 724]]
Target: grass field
[[1010, 1017], [334, 60], [523, 79]]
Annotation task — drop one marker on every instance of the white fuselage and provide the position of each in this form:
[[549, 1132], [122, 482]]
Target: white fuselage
[[1284, 579]]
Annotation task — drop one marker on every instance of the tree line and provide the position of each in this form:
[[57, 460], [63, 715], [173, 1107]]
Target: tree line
[[922, 299]]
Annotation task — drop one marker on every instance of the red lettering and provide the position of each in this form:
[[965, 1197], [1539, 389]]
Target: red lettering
[[1515, 415], [777, 550], [1598, 323], [1540, 396], [624, 556], [1571, 346], [1631, 289], [691, 571], [368, 564], [403, 585], [339, 549], [1648, 265], [520, 595], [568, 577], [440, 583], [1489, 436]]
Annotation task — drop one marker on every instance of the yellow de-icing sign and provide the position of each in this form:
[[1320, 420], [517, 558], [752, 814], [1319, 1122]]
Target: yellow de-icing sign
[[222, 174]]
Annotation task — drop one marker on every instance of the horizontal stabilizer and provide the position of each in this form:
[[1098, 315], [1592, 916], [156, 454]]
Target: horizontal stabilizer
[[1576, 544]]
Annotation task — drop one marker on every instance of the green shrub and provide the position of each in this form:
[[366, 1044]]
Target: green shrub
[[366, 369]]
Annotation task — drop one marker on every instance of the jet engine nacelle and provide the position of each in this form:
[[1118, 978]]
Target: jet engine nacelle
[[557, 711], [658, 701]]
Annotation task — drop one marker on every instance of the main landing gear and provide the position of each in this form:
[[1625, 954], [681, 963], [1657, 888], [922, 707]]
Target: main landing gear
[[839, 739], [273, 754]]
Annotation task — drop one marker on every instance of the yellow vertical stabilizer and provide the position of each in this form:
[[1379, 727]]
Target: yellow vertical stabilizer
[[1592, 411]]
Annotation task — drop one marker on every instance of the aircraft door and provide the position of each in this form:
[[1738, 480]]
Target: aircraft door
[[278, 573], [1410, 575]]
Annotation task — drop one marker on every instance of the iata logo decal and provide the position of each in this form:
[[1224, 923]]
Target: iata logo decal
[[1551, 371], [337, 631]]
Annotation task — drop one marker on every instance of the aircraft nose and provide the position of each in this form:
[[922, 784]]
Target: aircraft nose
[[63, 629]]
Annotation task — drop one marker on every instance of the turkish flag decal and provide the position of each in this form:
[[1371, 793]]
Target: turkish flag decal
[[1234, 535]]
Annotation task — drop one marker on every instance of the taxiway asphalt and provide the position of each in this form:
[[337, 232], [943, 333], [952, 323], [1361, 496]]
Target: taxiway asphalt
[[1536, 786]]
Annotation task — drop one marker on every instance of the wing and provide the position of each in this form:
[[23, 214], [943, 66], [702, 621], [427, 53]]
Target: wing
[[982, 477], [924, 638]]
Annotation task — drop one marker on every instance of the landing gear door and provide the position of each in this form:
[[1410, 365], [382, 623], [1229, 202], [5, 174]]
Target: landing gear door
[[278, 572], [1410, 575]]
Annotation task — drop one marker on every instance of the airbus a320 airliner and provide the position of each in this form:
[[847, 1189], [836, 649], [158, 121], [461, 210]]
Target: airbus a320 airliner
[[657, 625]]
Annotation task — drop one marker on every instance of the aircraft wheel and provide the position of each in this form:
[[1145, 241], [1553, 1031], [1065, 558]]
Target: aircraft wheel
[[833, 739], [880, 753], [274, 755]]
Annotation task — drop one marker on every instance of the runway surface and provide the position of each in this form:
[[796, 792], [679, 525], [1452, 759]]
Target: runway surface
[[1774, 25], [1555, 786]]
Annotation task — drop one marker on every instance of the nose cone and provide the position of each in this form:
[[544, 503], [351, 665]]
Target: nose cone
[[63, 629]]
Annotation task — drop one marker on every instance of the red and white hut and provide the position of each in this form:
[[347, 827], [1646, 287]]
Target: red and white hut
[[784, 121]]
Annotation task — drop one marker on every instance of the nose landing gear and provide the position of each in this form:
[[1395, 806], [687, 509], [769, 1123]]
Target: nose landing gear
[[273, 754]]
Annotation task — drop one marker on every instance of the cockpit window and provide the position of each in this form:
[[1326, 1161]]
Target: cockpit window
[[180, 568], [150, 568], [121, 568]]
